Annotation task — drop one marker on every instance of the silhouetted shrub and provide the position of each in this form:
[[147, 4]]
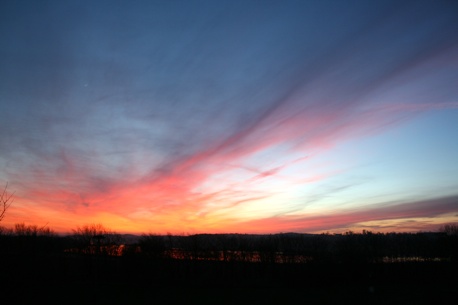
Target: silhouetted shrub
[[95, 239]]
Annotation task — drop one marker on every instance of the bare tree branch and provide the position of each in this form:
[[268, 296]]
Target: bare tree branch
[[5, 202]]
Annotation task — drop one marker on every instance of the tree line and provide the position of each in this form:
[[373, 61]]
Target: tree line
[[350, 247]]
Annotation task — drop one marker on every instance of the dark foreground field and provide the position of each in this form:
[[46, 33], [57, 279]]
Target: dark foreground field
[[94, 267], [121, 280]]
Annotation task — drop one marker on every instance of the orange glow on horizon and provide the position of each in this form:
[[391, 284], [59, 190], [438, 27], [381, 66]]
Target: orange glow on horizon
[[183, 220]]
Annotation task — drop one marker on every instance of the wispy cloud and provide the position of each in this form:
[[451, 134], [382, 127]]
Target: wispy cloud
[[342, 220], [185, 122]]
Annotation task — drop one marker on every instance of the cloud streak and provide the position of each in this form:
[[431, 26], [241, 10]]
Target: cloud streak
[[167, 114], [341, 221]]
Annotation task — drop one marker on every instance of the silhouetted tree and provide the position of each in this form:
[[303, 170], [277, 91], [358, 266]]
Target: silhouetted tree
[[450, 229], [32, 239], [21, 229], [96, 239], [5, 202]]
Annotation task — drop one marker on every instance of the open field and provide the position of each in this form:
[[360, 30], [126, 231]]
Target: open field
[[229, 269], [118, 280]]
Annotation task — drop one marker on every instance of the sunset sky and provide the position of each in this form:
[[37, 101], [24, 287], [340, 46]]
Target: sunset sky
[[190, 117]]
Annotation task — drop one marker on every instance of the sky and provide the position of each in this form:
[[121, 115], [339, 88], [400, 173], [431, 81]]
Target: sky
[[189, 117]]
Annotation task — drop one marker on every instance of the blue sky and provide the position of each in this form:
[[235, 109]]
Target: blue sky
[[230, 116]]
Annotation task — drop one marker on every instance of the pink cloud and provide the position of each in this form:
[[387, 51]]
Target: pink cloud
[[73, 184], [347, 219]]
